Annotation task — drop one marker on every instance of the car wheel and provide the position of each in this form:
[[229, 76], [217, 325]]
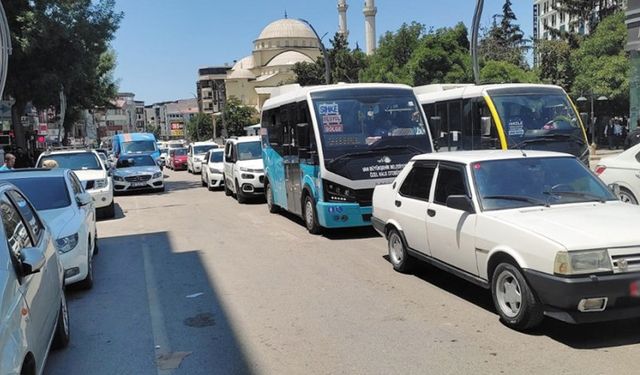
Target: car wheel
[[87, 283], [62, 332], [398, 255], [268, 193], [227, 191], [240, 195], [513, 298], [310, 216], [204, 183], [109, 212], [627, 197]]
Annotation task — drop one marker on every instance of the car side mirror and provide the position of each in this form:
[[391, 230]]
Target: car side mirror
[[485, 126], [461, 202], [83, 199], [615, 189], [32, 260]]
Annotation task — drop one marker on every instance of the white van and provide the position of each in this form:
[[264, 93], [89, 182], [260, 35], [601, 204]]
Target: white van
[[195, 155], [243, 168]]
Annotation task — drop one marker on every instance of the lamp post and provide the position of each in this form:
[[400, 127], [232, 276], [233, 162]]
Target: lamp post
[[583, 99], [327, 63], [474, 40]]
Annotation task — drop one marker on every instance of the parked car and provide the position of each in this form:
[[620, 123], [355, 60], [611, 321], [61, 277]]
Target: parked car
[[137, 172], [177, 159], [624, 170], [92, 172], [105, 159], [195, 155], [540, 230], [212, 169], [69, 212], [243, 168], [33, 308]]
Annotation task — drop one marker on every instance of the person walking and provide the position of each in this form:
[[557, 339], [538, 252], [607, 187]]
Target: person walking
[[618, 132], [9, 162], [608, 133]]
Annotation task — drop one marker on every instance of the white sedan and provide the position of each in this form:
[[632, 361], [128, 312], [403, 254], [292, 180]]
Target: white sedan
[[212, 169], [624, 170], [539, 230], [69, 212], [137, 172]]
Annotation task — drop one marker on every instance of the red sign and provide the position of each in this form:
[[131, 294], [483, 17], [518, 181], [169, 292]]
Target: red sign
[[43, 129]]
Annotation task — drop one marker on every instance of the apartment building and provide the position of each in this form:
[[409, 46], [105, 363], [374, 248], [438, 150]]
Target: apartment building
[[211, 88]]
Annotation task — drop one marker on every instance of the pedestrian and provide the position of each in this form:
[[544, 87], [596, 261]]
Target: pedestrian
[[633, 138], [608, 133], [9, 162], [618, 132]]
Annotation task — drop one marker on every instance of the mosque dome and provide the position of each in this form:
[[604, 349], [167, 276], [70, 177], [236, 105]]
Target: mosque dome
[[289, 58], [286, 28]]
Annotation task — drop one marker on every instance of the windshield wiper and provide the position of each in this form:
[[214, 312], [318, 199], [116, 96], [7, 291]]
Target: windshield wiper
[[519, 198], [547, 138], [349, 156], [408, 147], [582, 194]]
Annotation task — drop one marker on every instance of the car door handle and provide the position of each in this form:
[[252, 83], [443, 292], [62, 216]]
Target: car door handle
[[431, 212], [398, 203]]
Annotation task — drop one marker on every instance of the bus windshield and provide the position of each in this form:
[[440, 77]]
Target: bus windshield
[[138, 146], [538, 118], [369, 133]]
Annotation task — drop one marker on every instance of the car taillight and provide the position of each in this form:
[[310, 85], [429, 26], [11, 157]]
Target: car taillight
[[600, 169], [634, 290]]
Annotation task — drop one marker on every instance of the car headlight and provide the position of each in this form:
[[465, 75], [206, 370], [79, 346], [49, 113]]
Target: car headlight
[[157, 175], [68, 243], [99, 184], [337, 193], [581, 262], [117, 178], [213, 170], [251, 170]]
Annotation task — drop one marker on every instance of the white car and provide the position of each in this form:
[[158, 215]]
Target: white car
[[92, 172], [243, 168], [70, 214], [541, 231], [195, 155], [624, 170], [212, 169], [137, 172]]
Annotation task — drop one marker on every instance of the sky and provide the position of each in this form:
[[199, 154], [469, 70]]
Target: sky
[[161, 43]]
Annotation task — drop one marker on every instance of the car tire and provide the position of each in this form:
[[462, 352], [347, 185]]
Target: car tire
[[227, 191], [62, 332], [109, 212], [398, 255], [268, 194], [204, 183], [627, 197], [240, 195], [87, 283], [513, 298], [310, 216]]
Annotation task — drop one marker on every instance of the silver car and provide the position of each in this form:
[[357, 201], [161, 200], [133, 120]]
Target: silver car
[[33, 307], [137, 172]]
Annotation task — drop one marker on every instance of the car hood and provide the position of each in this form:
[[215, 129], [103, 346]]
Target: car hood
[[218, 166], [252, 164], [180, 158], [90, 174], [57, 219], [134, 171], [578, 226]]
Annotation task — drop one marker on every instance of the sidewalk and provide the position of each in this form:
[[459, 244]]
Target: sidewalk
[[602, 153]]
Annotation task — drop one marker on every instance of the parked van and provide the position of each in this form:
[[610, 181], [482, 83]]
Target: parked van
[[243, 168], [135, 143]]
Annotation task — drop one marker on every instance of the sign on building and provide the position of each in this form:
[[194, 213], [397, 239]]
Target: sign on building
[[177, 129]]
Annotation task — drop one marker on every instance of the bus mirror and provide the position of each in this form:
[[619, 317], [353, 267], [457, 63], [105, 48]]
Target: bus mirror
[[485, 124], [436, 125]]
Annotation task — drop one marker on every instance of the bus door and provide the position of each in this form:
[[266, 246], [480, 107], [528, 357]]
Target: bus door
[[292, 172]]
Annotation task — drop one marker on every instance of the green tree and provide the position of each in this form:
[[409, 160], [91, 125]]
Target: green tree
[[200, 127], [555, 65], [236, 116], [309, 74], [505, 72], [60, 44], [602, 64], [504, 41]]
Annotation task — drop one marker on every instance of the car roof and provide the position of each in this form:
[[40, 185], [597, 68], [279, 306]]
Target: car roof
[[33, 172], [467, 157], [58, 152], [250, 138], [203, 143]]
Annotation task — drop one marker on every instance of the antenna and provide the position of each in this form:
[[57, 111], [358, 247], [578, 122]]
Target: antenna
[[285, 14]]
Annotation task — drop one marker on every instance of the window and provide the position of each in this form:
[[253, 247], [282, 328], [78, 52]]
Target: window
[[27, 213], [450, 182], [455, 125], [55, 196], [474, 110], [16, 232], [418, 182]]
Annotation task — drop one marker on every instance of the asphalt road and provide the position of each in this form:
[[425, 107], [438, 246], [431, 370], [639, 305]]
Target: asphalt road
[[191, 282]]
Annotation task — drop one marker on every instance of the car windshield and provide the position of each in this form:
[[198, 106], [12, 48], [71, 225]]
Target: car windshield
[[75, 161], [164, 150], [523, 182], [198, 150], [135, 161], [216, 157], [179, 151], [175, 145], [56, 195], [369, 133], [544, 117], [249, 150], [138, 147]]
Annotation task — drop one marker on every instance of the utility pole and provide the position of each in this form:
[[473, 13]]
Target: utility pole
[[327, 63], [5, 48], [474, 40]]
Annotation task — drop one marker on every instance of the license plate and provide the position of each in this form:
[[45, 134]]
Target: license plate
[[138, 184]]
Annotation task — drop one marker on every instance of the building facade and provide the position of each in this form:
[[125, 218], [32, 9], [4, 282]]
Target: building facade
[[211, 89]]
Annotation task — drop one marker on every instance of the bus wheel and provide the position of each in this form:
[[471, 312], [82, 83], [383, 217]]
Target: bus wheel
[[310, 216], [269, 196]]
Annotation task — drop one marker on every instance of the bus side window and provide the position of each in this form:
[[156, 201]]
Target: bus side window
[[442, 137], [455, 125], [483, 141]]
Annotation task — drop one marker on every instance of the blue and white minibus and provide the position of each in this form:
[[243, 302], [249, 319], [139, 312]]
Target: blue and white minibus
[[325, 148], [135, 143]]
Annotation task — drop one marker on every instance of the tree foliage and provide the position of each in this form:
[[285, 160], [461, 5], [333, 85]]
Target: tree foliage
[[60, 44], [506, 72], [555, 65], [504, 41], [236, 116], [200, 127]]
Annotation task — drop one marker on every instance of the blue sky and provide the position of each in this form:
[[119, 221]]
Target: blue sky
[[161, 43]]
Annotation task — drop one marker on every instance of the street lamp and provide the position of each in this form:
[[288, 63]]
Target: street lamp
[[327, 63], [583, 99], [475, 29]]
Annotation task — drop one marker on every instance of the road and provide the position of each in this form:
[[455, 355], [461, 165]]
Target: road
[[191, 282]]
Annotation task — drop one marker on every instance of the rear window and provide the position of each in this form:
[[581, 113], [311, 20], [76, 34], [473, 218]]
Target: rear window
[[56, 195], [216, 157], [76, 162]]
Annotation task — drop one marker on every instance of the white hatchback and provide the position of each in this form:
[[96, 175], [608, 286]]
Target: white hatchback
[[213, 169], [195, 155], [539, 230]]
